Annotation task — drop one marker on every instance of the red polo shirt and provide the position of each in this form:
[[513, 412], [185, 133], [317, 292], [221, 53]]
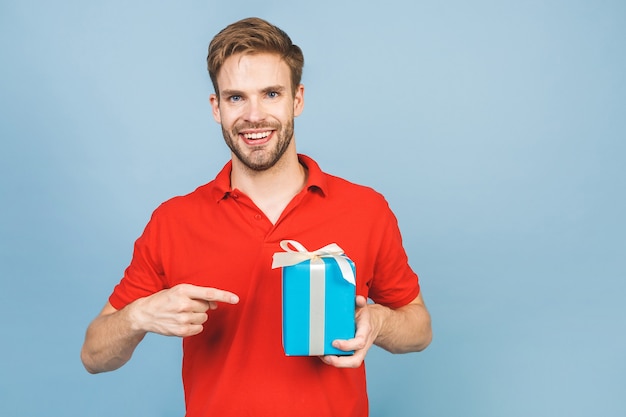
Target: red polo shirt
[[217, 237]]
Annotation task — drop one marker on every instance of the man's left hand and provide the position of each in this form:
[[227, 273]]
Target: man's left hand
[[367, 328]]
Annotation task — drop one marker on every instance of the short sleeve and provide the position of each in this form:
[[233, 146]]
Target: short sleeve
[[394, 284], [144, 276]]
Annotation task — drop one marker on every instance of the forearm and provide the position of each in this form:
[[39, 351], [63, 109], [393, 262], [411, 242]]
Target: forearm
[[403, 330], [110, 341]]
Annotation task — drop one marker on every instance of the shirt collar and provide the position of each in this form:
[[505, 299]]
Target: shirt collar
[[316, 179]]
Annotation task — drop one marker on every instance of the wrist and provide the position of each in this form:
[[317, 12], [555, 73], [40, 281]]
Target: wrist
[[133, 317], [379, 315]]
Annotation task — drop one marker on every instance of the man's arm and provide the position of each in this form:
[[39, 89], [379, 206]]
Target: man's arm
[[110, 340], [406, 329], [402, 330], [180, 311]]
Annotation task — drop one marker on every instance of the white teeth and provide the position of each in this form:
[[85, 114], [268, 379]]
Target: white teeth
[[259, 135]]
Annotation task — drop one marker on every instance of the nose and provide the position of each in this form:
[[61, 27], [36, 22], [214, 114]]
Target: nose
[[255, 111]]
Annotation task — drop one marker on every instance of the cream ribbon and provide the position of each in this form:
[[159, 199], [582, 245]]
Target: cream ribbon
[[300, 254]]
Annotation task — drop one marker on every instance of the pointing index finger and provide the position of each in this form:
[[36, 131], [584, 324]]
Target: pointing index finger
[[213, 294]]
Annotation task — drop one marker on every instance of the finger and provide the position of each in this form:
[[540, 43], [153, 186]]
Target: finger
[[353, 361], [189, 324], [191, 330], [199, 306], [361, 301], [198, 318], [210, 294], [348, 345], [214, 294], [326, 359]]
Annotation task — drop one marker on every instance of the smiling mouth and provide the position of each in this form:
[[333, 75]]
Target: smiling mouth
[[257, 138], [257, 135]]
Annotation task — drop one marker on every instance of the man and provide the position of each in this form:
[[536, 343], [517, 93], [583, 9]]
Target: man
[[214, 247]]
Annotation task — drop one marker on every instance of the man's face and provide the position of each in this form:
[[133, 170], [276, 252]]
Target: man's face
[[256, 108]]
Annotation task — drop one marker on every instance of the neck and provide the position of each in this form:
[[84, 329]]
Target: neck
[[271, 190]]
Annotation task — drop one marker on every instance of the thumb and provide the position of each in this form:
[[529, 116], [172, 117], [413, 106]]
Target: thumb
[[361, 301]]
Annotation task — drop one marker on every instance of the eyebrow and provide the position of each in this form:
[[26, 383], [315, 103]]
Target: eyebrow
[[229, 93], [277, 88]]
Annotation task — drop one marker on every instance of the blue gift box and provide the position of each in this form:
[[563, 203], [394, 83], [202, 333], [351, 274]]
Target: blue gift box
[[318, 302]]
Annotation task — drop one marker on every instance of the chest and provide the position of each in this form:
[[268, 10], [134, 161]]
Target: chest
[[231, 248]]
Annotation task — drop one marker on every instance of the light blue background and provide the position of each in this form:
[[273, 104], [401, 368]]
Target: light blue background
[[496, 129]]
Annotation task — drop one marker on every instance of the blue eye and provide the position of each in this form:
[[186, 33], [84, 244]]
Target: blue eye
[[272, 94], [235, 98]]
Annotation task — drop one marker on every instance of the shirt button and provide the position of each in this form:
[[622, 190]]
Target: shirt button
[[235, 195], [258, 217]]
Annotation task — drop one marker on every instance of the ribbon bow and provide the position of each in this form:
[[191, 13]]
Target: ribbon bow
[[301, 254]]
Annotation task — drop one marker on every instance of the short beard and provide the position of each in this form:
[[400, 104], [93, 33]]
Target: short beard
[[285, 137]]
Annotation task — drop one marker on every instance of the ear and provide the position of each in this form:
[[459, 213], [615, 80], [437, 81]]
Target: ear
[[215, 107], [298, 101]]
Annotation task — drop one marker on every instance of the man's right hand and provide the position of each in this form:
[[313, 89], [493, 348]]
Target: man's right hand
[[178, 311]]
